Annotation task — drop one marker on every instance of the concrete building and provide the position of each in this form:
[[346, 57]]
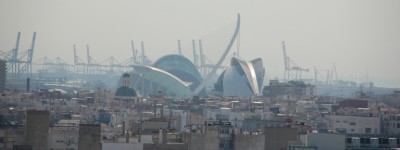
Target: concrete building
[[353, 103], [64, 135], [392, 124], [89, 137], [36, 129], [249, 142], [372, 141], [11, 138], [326, 141], [212, 137], [297, 89], [354, 124], [277, 138]]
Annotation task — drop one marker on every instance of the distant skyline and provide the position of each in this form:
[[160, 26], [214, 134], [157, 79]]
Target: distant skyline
[[362, 37]]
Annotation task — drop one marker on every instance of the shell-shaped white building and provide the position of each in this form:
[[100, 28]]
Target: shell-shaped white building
[[241, 78]]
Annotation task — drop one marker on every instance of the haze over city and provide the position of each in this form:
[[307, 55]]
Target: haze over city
[[199, 75], [361, 37]]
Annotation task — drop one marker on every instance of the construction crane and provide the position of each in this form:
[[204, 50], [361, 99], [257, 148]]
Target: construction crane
[[290, 66]]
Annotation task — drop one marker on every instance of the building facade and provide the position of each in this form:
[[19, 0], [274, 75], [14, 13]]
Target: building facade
[[354, 124], [36, 129], [89, 137], [392, 124]]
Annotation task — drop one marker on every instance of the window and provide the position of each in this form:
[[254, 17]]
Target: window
[[224, 144], [224, 131], [352, 123], [348, 140], [368, 130], [398, 125], [221, 145]]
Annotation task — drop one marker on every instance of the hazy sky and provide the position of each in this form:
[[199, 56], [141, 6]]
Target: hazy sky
[[361, 36]]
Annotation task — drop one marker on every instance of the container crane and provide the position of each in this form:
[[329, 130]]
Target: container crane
[[290, 66]]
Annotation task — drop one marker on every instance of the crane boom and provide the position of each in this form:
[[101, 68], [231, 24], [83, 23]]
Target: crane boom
[[285, 60], [32, 48], [75, 57]]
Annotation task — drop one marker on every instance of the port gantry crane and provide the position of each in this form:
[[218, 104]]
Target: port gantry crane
[[290, 66], [20, 64], [328, 77]]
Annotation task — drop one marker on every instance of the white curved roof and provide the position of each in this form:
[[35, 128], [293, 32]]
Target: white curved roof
[[164, 79], [249, 73], [242, 78]]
